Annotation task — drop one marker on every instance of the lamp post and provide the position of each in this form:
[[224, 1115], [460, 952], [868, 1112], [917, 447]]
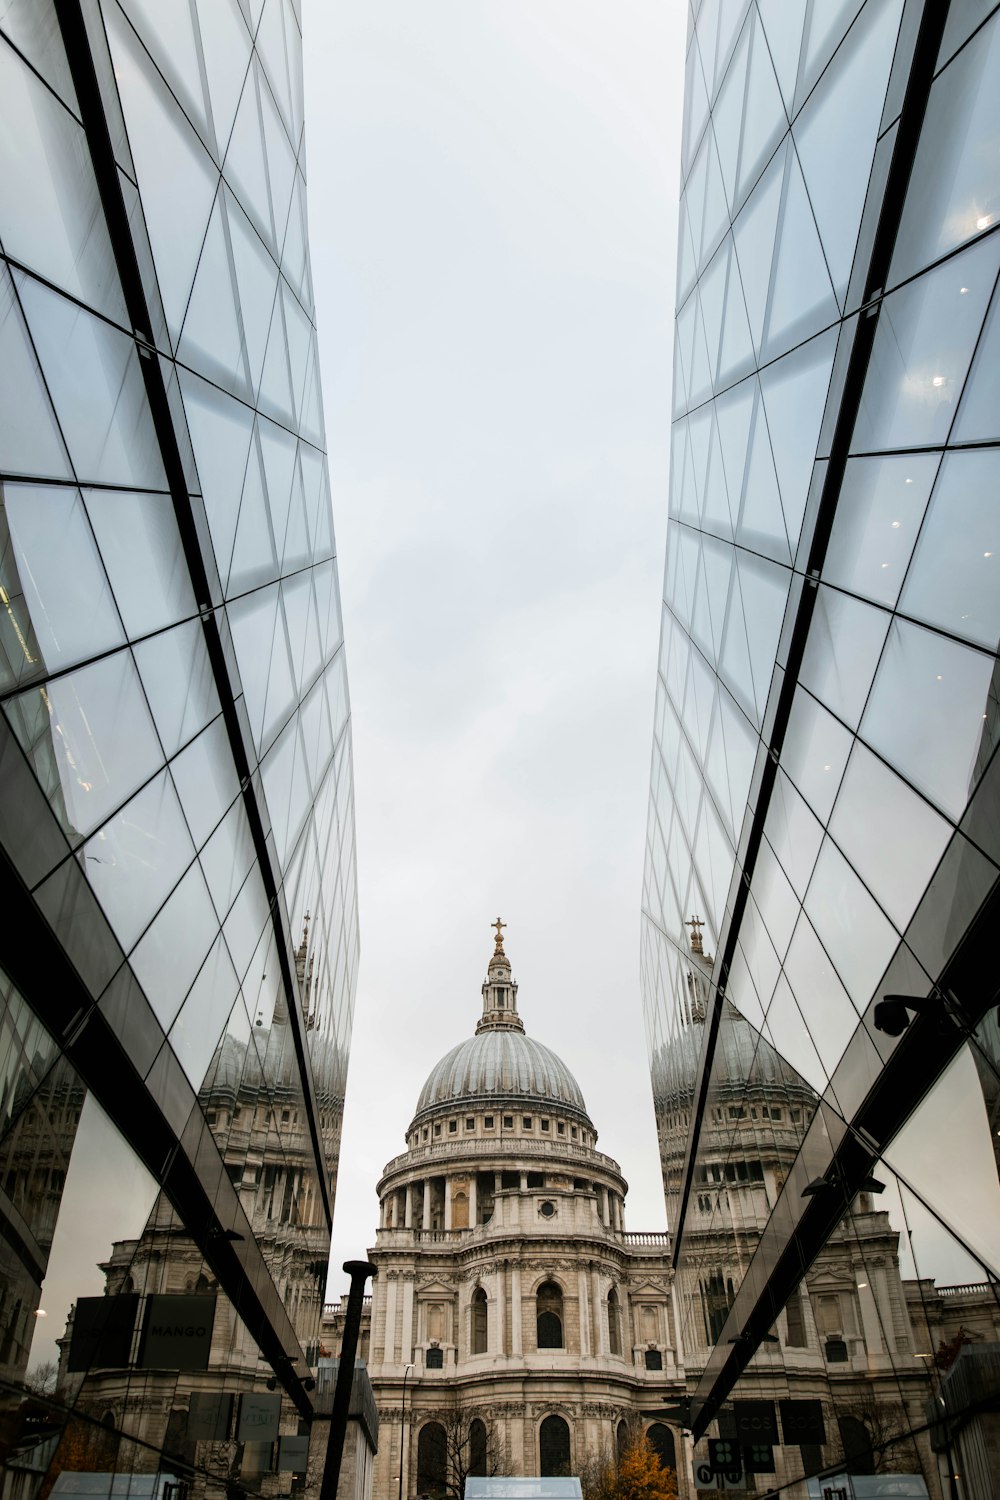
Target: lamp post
[[402, 1432]]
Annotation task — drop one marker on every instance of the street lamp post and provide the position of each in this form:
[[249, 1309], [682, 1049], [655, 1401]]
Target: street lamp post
[[402, 1432]]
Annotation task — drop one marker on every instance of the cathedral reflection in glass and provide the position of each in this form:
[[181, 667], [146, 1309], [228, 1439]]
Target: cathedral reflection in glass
[[176, 808], [824, 819]]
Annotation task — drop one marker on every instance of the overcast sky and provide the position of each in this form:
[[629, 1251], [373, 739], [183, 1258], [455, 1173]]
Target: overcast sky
[[492, 199]]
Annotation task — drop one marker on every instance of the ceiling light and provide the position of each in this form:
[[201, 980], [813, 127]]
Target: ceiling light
[[938, 380], [895, 524], [984, 221]]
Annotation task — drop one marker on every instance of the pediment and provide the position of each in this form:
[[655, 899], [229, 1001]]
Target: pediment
[[436, 1290], [648, 1290]]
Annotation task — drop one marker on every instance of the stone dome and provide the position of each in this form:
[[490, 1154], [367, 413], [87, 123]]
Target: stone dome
[[500, 1065]]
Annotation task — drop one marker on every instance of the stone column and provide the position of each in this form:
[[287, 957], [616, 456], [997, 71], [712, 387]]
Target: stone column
[[406, 1341], [868, 1305], [381, 1214], [584, 1319], [600, 1332], [427, 1203], [605, 1216], [447, 1203], [502, 1308], [408, 1207], [390, 1317], [524, 1182], [515, 1309], [472, 1200]]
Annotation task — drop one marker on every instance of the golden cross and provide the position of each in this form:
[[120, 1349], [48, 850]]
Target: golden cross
[[499, 925], [695, 924]]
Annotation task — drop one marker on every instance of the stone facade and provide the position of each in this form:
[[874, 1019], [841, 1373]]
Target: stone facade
[[508, 1287]]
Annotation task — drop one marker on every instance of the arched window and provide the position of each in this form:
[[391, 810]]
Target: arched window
[[549, 1309], [553, 1446], [478, 1322], [614, 1323], [856, 1439], [621, 1438], [477, 1447], [432, 1459], [460, 1211], [662, 1442]]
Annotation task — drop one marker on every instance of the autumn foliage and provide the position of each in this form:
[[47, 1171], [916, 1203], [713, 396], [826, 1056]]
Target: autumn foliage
[[635, 1474]]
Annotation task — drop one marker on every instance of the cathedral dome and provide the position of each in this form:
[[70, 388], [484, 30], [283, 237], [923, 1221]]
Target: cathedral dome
[[500, 1064]]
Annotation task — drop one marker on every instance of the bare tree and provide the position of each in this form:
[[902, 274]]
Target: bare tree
[[468, 1443], [42, 1379], [891, 1448]]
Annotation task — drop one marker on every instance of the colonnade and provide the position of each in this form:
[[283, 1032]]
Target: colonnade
[[451, 1201]]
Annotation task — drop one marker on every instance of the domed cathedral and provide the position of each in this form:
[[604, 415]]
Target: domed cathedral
[[516, 1326], [850, 1337]]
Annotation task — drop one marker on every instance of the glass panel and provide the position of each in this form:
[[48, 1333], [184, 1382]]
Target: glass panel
[[30, 441], [244, 166], [954, 192], [254, 561], [923, 345], [961, 1187], [252, 621], [764, 590], [133, 526], [762, 522], [830, 1017], [225, 45], [836, 132], [953, 579], [257, 279], [174, 947], [57, 568], [93, 727], [176, 176], [793, 833], [727, 116], [783, 29], [764, 120], [978, 417], [849, 924], [179, 682], [879, 511], [50, 215], [102, 1169], [136, 859], [221, 430], [227, 858], [794, 391], [97, 389], [845, 642], [212, 338], [928, 712], [814, 752], [202, 1017], [34, 30], [205, 778], [891, 836], [753, 236], [802, 297]]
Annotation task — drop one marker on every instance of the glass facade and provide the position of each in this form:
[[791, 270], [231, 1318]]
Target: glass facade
[[824, 818], [176, 807]]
